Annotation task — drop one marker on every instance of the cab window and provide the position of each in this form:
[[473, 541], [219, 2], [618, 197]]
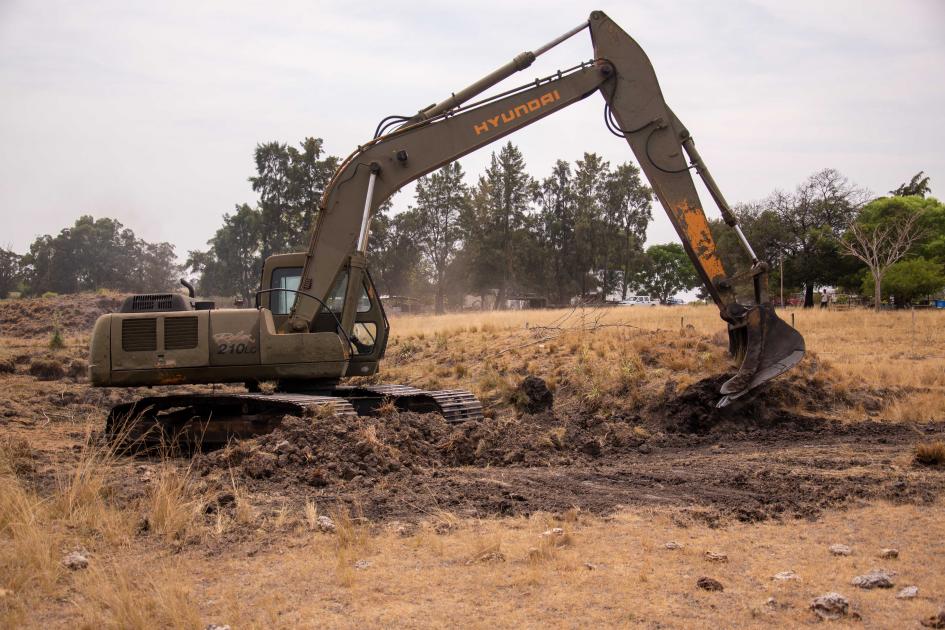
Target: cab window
[[286, 278]]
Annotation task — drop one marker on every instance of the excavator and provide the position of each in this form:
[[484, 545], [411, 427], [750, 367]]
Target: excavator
[[318, 318]]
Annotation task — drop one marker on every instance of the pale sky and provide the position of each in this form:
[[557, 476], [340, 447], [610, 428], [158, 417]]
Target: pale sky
[[149, 111]]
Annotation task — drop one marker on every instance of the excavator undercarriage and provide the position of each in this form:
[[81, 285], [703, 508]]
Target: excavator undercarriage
[[318, 318]]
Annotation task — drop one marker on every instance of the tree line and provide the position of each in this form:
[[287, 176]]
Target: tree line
[[577, 233]]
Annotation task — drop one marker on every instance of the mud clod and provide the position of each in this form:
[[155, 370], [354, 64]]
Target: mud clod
[[533, 396]]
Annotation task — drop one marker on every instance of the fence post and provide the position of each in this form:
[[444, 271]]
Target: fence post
[[792, 321]]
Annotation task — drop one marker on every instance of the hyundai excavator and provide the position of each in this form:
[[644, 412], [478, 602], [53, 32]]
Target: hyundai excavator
[[318, 318]]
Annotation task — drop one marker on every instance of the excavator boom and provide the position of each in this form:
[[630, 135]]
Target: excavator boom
[[635, 110]]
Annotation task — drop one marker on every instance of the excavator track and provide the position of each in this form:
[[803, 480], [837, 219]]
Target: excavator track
[[206, 421]]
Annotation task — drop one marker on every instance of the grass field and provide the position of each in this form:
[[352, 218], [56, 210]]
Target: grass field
[[170, 546]]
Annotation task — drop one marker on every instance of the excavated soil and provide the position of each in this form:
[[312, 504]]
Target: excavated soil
[[751, 461]]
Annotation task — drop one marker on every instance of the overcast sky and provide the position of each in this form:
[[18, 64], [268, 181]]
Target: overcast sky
[[149, 111]]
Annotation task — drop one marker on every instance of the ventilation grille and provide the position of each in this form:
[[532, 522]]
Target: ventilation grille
[[180, 333], [152, 302], [139, 335]]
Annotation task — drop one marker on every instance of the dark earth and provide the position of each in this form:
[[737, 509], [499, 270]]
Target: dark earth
[[752, 461]]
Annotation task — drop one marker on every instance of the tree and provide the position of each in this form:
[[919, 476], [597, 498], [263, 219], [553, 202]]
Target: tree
[[11, 273], [814, 216], [290, 184], [909, 280], [233, 263], [441, 198], [503, 196], [98, 253], [627, 214], [556, 233], [666, 271], [918, 186], [590, 181], [880, 239]]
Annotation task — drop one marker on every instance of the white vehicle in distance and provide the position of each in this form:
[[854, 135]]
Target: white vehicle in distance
[[638, 300]]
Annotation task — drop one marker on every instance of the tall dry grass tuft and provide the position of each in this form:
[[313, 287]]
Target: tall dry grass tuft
[[115, 597], [930, 453], [172, 507], [82, 499]]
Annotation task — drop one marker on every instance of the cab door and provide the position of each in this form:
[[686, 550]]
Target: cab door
[[369, 336]]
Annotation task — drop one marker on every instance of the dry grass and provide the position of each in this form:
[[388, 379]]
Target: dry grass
[[251, 568], [930, 454], [597, 354]]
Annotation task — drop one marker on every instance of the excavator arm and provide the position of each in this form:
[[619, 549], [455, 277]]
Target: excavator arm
[[634, 110]]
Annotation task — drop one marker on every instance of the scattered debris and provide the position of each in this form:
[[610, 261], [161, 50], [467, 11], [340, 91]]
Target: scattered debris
[[714, 556], [889, 554], [325, 524], [784, 576], [75, 560], [873, 579], [672, 545], [830, 606], [489, 554], [840, 550], [935, 621], [909, 592], [709, 584]]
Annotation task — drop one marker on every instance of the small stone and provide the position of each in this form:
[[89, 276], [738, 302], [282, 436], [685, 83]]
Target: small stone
[[709, 584], [830, 606], [75, 561], [935, 621], [590, 566], [909, 592], [715, 556], [362, 564], [215, 626], [873, 579], [283, 446], [784, 576], [554, 532], [645, 449], [889, 554], [672, 545], [840, 550], [325, 524]]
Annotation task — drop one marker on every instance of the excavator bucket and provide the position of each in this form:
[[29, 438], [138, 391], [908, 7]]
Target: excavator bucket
[[766, 348]]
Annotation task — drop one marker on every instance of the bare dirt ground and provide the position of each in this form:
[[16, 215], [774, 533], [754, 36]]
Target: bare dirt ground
[[630, 455]]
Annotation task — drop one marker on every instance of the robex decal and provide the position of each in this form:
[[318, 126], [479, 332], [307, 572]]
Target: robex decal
[[235, 343], [517, 112]]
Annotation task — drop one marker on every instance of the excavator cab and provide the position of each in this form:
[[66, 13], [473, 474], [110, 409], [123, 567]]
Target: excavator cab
[[281, 279]]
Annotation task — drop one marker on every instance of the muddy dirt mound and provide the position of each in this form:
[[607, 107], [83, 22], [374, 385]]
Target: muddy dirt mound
[[797, 400], [322, 450], [39, 317]]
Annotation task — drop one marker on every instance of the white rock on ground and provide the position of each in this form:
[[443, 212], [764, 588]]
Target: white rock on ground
[[554, 532], [785, 575], [840, 550], [830, 606], [325, 524], [716, 556], [362, 564], [214, 626], [75, 561], [889, 554], [672, 545], [909, 592], [873, 579]]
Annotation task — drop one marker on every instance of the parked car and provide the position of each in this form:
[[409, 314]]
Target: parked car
[[638, 300], [674, 302]]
